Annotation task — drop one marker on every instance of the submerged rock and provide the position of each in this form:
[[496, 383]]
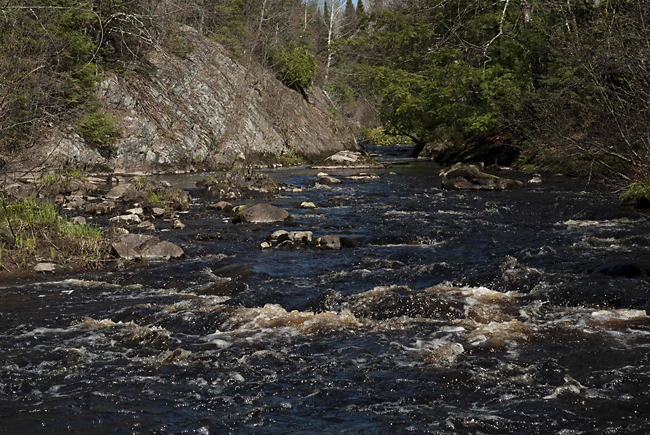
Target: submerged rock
[[518, 277], [141, 246], [326, 179], [329, 242], [362, 177], [223, 206], [465, 176], [260, 213]]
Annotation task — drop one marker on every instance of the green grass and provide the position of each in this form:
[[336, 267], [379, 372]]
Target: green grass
[[32, 228]]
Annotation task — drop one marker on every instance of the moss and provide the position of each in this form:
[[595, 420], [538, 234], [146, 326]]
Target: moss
[[237, 217], [637, 195]]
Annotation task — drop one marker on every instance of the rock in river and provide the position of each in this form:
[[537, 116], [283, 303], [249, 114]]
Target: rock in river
[[465, 176], [260, 213], [329, 242], [134, 246]]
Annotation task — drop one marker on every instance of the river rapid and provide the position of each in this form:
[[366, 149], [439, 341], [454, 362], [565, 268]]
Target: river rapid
[[444, 312]]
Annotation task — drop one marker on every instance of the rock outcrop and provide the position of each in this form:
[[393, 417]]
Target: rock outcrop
[[186, 113], [465, 176]]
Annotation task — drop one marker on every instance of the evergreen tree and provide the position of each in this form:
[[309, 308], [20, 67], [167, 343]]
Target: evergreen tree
[[361, 12], [349, 19]]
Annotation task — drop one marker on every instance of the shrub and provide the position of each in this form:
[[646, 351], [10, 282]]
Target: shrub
[[295, 67], [99, 130]]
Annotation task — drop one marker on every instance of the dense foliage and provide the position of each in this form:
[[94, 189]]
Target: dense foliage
[[559, 84], [564, 83]]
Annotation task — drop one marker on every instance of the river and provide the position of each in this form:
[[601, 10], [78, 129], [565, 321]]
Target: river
[[445, 312]]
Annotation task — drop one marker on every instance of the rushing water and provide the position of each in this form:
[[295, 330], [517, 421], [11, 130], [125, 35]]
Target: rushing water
[[421, 323]]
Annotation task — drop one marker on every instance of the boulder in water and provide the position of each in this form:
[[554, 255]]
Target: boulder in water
[[463, 176], [329, 242], [517, 277], [260, 213], [349, 159], [326, 179], [134, 246]]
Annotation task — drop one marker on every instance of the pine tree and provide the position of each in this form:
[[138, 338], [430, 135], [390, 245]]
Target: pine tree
[[349, 19], [361, 14]]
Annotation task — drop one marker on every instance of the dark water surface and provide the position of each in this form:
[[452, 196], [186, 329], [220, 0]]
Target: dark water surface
[[420, 324]]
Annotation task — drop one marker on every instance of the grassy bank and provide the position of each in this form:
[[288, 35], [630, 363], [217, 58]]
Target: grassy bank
[[32, 231]]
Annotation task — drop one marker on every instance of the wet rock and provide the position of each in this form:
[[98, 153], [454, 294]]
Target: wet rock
[[79, 220], [349, 159], [306, 204], [517, 277], [288, 239], [137, 210], [301, 237], [351, 242], [117, 191], [100, 208], [147, 226], [279, 236], [126, 218], [464, 176], [536, 179], [623, 269], [383, 303], [140, 246], [234, 270], [178, 225], [223, 206], [326, 179], [329, 242], [363, 177], [329, 300], [45, 267], [74, 202], [161, 250], [260, 213]]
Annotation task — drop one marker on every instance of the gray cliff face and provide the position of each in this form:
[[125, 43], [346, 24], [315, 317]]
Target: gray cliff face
[[205, 110]]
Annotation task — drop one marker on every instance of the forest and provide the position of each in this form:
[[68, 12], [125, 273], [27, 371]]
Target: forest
[[562, 86]]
